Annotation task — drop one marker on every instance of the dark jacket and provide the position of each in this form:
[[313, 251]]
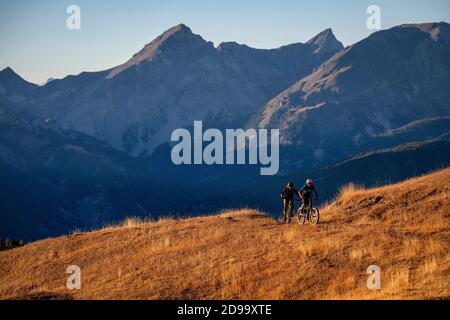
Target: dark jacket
[[288, 194], [307, 191]]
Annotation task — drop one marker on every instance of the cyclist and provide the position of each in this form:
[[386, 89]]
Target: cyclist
[[307, 192], [287, 194]]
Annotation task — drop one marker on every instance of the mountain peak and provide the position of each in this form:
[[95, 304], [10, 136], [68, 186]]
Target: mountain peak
[[8, 75], [325, 41], [175, 30], [12, 84], [179, 28], [179, 34], [322, 36], [8, 72]]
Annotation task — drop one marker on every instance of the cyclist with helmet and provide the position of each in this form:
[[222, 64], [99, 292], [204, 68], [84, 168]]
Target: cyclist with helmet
[[307, 192], [287, 194]]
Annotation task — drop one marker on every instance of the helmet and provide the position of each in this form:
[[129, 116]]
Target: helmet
[[291, 184], [309, 181]]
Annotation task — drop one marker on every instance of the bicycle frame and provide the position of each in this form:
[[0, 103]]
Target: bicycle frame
[[307, 211]]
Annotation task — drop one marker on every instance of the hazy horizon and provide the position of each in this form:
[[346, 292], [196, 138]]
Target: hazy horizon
[[36, 43]]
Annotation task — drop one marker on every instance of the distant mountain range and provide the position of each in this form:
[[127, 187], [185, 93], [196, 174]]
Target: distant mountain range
[[93, 148], [175, 79]]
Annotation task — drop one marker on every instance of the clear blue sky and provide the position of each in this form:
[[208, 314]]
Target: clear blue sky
[[35, 42]]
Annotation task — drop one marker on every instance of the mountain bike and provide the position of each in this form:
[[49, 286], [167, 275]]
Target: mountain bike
[[309, 213]]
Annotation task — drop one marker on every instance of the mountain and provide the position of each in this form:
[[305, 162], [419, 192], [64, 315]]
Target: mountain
[[177, 78], [14, 89], [390, 79], [54, 181], [275, 69], [245, 254], [168, 45]]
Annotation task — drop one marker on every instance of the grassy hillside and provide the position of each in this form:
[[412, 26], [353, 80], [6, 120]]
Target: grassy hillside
[[244, 254]]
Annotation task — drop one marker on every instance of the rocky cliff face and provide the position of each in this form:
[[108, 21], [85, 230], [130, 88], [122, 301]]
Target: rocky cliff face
[[390, 79]]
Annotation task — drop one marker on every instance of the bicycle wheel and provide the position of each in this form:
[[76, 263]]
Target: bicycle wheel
[[314, 217], [301, 217]]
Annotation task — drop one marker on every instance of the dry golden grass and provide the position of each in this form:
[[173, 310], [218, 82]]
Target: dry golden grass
[[244, 254]]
